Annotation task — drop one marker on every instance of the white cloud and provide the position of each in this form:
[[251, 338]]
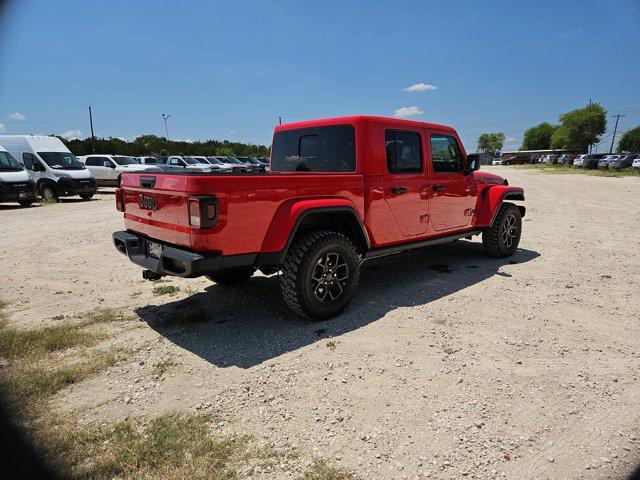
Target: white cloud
[[511, 139], [572, 32], [17, 116], [420, 87], [2, 129], [72, 134], [407, 111]]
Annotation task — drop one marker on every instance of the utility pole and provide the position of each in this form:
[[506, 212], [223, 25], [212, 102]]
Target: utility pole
[[279, 120], [166, 129], [615, 129], [93, 137]]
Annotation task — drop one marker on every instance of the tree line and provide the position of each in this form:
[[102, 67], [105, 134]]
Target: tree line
[[576, 130], [159, 146]]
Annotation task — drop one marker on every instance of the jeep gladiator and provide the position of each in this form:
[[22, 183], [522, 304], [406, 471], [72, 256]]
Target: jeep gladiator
[[340, 191]]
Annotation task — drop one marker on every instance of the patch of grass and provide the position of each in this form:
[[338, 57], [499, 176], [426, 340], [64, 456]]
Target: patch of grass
[[161, 367], [28, 384], [58, 317], [331, 345], [562, 169], [321, 470], [135, 294], [172, 446], [165, 290], [160, 280], [16, 343], [104, 315], [3, 315]]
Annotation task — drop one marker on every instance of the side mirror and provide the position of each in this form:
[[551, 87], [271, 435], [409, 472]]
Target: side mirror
[[472, 163], [38, 167]]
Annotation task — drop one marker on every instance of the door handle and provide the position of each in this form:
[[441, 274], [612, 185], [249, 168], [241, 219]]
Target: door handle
[[398, 190], [438, 188]]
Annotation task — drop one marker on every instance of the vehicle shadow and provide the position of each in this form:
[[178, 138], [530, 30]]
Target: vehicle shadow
[[246, 325]]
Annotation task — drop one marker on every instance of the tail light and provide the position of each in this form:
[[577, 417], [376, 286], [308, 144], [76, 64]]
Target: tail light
[[203, 212], [119, 200]]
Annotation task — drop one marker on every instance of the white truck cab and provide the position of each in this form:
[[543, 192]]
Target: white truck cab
[[16, 184], [56, 171], [108, 168], [176, 162]]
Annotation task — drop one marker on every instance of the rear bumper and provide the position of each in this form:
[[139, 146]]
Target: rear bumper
[[172, 261]]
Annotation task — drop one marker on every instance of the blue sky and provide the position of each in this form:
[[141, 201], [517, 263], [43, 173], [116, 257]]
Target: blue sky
[[227, 69]]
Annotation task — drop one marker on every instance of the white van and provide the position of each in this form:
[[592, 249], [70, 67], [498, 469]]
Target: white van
[[108, 168], [16, 185], [56, 171]]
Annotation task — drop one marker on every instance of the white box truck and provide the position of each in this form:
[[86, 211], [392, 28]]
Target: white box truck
[[16, 184], [56, 171]]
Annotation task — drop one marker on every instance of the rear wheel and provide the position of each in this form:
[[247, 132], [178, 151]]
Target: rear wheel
[[86, 196], [232, 277], [48, 193], [320, 274], [503, 237]]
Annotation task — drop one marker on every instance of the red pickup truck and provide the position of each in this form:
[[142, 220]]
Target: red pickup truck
[[340, 191]]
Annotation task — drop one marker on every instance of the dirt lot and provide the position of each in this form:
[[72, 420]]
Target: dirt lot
[[520, 368]]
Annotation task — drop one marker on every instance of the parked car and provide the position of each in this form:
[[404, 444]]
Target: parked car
[[603, 163], [226, 166], [107, 168], [624, 161], [16, 184], [577, 162], [215, 166], [318, 242], [566, 159], [496, 161], [516, 160], [235, 161], [636, 162], [56, 171], [590, 161], [552, 158], [147, 160], [177, 162], [254, 163]]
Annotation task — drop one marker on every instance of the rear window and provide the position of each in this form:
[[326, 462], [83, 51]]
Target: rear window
[[320, 149]]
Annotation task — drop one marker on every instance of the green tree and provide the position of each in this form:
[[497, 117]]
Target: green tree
[[225, 151], [538, 137], [491, 142], [630, 141], [580, 128]]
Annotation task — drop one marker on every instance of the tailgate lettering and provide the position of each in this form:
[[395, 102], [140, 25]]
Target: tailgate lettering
[[148, 203]]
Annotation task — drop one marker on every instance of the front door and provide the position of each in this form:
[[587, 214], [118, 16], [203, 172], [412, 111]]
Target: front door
[[452, 188], [405, 182], [33, 164]]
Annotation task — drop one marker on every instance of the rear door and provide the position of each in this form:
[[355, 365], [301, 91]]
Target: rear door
[[405, 181], [452, 190]]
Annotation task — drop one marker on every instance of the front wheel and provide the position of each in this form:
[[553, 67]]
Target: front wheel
[[86, 196], [320, 274], [232, 277], [48, 194], [502, 238]]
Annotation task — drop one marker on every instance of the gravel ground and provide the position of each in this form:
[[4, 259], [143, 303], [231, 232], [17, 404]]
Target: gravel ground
[[520, 368]]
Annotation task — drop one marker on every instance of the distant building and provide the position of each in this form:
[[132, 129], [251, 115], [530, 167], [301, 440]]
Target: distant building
[[535, 153]]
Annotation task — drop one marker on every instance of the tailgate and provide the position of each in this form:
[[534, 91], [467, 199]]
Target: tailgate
[[157, 206]]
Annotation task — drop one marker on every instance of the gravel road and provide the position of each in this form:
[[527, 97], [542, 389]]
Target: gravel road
[[448, 364]]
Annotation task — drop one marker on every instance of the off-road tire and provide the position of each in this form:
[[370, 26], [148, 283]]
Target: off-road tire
[[307, 254], [494, 238], [232, 277], [25, 203], [86, 196], [48, 193]]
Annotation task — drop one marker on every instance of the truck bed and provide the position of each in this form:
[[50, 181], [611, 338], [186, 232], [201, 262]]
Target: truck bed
[[248, 205]]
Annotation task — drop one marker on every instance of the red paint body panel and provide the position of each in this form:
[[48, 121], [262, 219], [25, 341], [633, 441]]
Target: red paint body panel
[[258, 212], [488, 206]]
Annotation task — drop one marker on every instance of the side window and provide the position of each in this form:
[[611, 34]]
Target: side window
[[404, 152], [446, 154], [93, 162], [309, 146], [28, 159], [175, 161]]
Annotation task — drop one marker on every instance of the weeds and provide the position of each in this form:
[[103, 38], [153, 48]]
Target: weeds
[[165, 290], [331, 345], [15, 343], [321, 470], [161, 367]]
